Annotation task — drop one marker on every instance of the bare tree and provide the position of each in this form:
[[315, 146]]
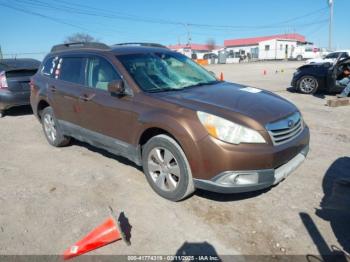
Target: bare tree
[[80, 37], [211, 44]]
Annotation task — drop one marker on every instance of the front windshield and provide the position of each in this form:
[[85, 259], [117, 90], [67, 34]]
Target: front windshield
[[156, 72], [332, 55]]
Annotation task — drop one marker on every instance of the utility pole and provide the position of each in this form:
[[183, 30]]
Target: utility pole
[[0, 53], [331, 5], [189, 38]]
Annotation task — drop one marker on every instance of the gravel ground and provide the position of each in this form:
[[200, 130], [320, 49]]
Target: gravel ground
[[51, 197]]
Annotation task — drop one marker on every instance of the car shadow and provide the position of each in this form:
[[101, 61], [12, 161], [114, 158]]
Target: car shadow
[[196, 251], [317, 95], [105, 153], [228, 197], [18, 111], [334, 208], [335, 205], [291, 89]]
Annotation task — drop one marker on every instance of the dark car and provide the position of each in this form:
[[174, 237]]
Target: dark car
[[169, 115], [14, 82], [320, 77]]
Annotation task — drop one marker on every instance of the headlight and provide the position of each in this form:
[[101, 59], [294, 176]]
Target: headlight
[[228, 131]]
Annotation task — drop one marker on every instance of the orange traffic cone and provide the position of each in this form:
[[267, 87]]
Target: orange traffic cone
[[222, 76], [102, 235]]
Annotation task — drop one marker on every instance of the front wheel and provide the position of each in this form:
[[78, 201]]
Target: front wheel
[[51, 129], [166, 168], [308, 85]]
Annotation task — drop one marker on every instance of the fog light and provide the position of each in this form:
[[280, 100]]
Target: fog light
[[233, 178]]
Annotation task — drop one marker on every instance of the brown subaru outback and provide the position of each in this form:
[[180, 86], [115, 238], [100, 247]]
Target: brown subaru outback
[[169, 115]]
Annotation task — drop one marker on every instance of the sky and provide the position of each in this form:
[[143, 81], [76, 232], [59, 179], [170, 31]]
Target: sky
[[31, 27]]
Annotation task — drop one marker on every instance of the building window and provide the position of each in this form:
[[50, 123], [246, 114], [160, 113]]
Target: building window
[[267, 47]]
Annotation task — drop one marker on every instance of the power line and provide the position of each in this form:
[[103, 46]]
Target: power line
[[85, 10], [44, 16], [98, 12]]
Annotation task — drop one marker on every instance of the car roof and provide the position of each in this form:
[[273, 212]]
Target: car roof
[[340, 51], [125, 50], [19, 63], [122, 49]]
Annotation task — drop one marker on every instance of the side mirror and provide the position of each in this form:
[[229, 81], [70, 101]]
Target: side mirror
[[116, 87]]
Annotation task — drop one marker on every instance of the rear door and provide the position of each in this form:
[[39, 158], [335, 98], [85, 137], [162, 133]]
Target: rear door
[[336, 71], [65, 89]]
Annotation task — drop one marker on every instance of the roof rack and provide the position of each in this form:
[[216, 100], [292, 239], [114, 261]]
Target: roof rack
[[79, 45], [142, 44]]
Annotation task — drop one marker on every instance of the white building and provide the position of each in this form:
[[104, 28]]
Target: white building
[[286, 46]]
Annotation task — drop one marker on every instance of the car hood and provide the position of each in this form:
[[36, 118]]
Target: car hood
[[227, 98], [316, 65]]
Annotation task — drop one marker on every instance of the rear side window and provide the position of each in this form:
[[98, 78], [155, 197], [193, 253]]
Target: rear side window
[[71, 69], [100, 73], [49, 66]]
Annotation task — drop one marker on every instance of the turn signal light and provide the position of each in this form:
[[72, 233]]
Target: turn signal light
[[3, 80]]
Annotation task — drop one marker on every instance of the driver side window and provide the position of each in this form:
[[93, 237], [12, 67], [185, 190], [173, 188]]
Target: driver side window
[[100, 72]]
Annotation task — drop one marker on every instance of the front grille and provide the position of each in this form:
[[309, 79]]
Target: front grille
[[285, 130]]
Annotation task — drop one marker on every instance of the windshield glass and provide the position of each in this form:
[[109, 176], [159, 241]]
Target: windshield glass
[[156, 72], [332, 55]]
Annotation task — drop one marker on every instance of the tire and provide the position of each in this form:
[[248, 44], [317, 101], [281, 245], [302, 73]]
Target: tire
[[307, 85], [299, 58], [52, 130], [166, 168]]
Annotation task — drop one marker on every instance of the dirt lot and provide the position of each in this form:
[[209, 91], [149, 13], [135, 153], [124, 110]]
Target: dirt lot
[[51, 197]]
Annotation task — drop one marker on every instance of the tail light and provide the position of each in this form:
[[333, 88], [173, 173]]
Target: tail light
[[3, 81], [32, 86]]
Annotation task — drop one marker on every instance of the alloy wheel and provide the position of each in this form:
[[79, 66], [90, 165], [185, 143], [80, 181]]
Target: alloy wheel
[[163, 169], [308, 85], [50, 127]]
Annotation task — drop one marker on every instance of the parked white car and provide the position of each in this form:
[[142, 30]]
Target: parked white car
[[305, 52], [330, 58]]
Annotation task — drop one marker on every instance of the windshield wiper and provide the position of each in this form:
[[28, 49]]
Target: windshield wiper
[[203, 84], [156, 90]]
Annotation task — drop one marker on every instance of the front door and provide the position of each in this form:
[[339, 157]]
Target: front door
[[110, 119], [335, 73]]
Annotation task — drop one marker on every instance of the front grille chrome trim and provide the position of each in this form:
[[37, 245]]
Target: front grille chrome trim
[[286, 129]]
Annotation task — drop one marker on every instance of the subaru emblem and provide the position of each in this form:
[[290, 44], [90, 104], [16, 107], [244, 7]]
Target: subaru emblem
[[290, 123]]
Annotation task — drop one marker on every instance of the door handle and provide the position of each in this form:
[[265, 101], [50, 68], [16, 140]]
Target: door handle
[[86, 97], [53, 89]]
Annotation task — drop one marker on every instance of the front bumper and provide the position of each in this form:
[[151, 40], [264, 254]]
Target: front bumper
[[252, 180], [295, 80], [10, 99]]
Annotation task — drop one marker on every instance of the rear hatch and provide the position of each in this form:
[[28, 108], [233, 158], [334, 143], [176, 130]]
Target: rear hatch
[[18, 73], [18, 80]]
